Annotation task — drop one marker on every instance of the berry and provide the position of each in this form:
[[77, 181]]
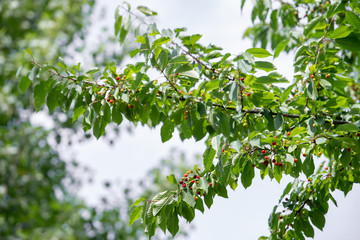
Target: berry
[[248, 94], [181, 92], [194, 176], [266, 162], [242, 79], [288, 133], [266, 157], [280, 164], [296, 160], [253, 165], [186, 175], [230, 102], [181, 182], [159, 92], [319, 154], [280, 217], [184, 185], [304, 155], [210, 184], [185, 117], [274, 161], [326, 168], [111, 101], [273, 143], [191, 188], [309, 179], [263, 151], [196, 198], [108, 99], [348, 149], [99, 92], [198, 192], [117, 78], [186, 112], [186, 179], [312, 76], [223, 150], [198, 177], [131, 106], [192, 181]]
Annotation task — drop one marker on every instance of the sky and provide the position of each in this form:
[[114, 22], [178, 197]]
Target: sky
[[244, 214]]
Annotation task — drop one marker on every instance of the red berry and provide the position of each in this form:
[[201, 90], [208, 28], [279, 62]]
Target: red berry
[[312, 76], [191, 188], [192, 181], [263, 151], [223, 150], [185, 175], [266, 162], [253, 165], [304, 155], [280, 164], [242, 79], [248, 94], [288, 133], [185, 117], [159, 92], [348, 149], [280, 217], [181, 182], [198, 192], [210, 184], [275, 136], [198, 177], [266, 157], [184, 185], [326, 168], [131, 106], [274, 143], [296, 160], [186, 179], [194, 176], [118, 78], [276, 163], [108, 99], [358, 134], [181, 91], [111, 101], [309, 179], [186, 112]]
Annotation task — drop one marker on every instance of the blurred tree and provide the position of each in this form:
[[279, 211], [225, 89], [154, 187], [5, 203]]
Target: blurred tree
[[36, 201]]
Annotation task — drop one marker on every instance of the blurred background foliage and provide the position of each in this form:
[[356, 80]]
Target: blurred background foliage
[[37, 186]]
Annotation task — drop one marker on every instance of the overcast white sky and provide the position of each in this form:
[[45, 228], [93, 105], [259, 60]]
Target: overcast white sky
[[244, 215]]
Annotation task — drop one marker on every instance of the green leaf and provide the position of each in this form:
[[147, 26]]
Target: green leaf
[[40, 93], [353, 19], [297, 131], [137, 202], [308, 166], [190, 74], [194, 38], [29, 51], [199, 130], [25, 83], [247, 175], [167, 130], [52, 100], [188, 198], [269, 80], [159, 205], [118, 21], [145, 10], [125, 29], [116, 114], [135, 215], [278, 121], [340, 32], [259, 52], [173, 222], [312, 24], [337, 102], [171, 178], [281, 47], [318, 219], [208, 157], [266, 66], [101, 120], [348, 127], [187, 212], [78, 112], [286, 93], [350, 42], [244, 66]]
